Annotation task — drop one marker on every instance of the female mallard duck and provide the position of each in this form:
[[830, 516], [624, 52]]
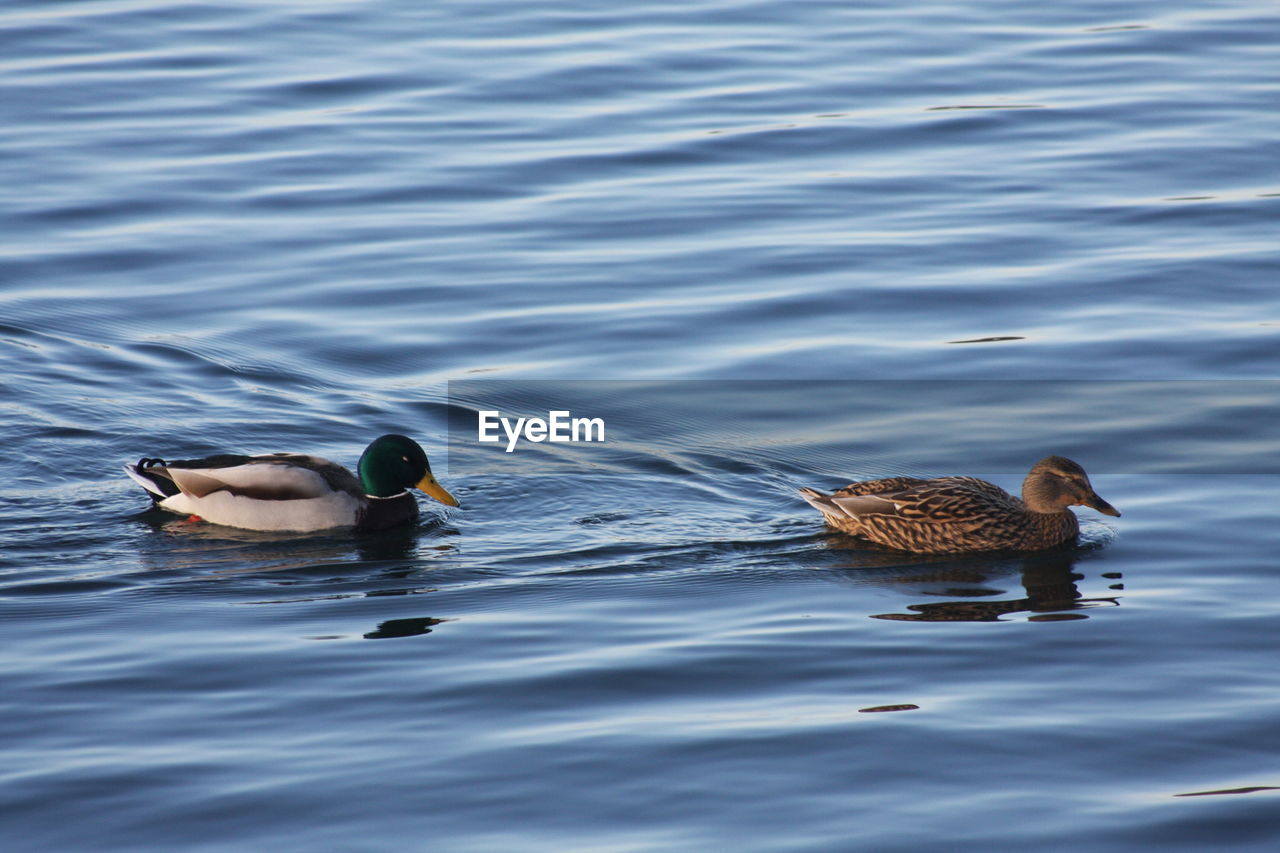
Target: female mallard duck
[[292, 491], [951, 514]]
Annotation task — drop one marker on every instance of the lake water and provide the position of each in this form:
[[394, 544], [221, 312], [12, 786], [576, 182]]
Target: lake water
[[769, 245]]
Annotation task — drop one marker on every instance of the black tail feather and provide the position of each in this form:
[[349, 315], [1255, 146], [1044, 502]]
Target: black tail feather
[[146, 468]]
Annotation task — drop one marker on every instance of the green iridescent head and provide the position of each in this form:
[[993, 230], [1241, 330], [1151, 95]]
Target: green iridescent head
[[394, 463]]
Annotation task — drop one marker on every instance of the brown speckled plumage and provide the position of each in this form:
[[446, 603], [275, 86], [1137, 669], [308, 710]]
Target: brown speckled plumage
[[956, 514]]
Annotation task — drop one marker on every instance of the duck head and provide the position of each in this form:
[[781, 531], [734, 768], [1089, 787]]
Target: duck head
[[1056, 483], [393, 463]]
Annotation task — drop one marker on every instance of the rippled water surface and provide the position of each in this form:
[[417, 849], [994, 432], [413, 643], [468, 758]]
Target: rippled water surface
[[771, 244]]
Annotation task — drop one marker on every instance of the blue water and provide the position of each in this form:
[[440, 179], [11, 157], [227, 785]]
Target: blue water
[[805, 243]]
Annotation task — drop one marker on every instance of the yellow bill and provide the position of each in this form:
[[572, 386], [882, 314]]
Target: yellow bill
[[429, 486]]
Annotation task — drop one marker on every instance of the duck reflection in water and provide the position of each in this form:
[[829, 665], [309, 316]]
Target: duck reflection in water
[[313, 567], [228, 550], [1048, 580]]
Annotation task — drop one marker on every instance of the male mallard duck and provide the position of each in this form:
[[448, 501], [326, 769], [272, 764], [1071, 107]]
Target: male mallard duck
[[951, 514], [292, 491]]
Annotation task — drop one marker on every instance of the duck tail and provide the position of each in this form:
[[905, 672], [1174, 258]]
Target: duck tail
[[816, 499], [152, 476]]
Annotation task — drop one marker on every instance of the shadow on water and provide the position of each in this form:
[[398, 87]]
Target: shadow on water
[[316, 567], [1251, 789], [395, 628], [199, 544], [1048, 582]]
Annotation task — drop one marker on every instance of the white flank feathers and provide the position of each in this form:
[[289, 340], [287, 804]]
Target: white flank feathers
[[336, 509], [259, 496]]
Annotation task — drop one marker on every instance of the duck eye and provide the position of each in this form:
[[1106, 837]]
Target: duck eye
[[404, 458]]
